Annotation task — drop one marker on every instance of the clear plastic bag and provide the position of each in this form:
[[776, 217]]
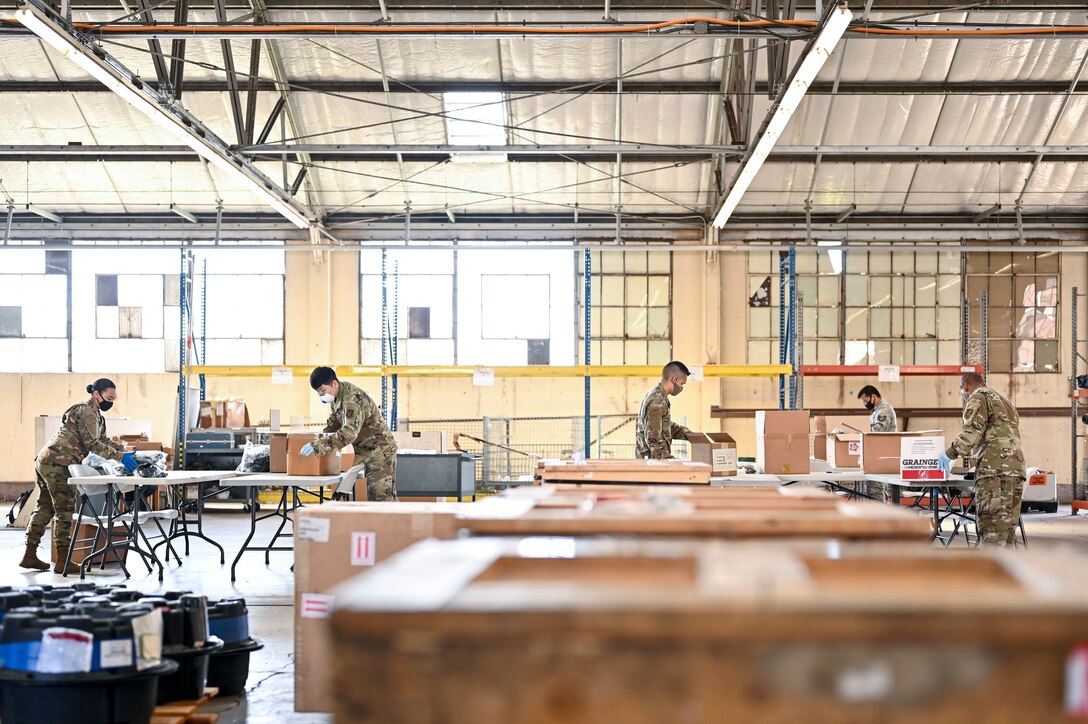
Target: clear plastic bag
[[150, 464], [255, 458], [112, 468]]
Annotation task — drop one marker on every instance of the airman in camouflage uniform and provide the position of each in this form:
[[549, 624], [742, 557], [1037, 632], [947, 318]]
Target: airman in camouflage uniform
[[356, 420], [881, 419], [82, 431], [991, 435], [654, 429]]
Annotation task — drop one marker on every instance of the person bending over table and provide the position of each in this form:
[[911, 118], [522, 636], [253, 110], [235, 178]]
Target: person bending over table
[[654, 429], [356, 420], [991, 435], [82, 432]]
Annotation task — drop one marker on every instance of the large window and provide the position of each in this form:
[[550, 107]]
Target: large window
[[1022, 294], [34, 311], [129, 322], [630, 307]]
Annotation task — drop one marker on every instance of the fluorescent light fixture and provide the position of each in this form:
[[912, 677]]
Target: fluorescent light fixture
[[450, 216], [190, 217], [803, 77], [111, 74], [846, 214], [979, 218], [55, 218], [834, 254]]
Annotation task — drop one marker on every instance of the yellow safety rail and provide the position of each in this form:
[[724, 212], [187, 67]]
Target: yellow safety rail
[[463, 371]]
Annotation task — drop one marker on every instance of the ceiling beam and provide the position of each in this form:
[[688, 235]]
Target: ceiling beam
[[617, 6], [515, 88], [556, 154]]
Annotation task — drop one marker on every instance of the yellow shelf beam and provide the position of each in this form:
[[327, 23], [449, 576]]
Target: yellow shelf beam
[[451, 372]]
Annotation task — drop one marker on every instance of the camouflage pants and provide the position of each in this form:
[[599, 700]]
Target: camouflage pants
[[876, 491], [380, 467], [997, 502], [55, 497]]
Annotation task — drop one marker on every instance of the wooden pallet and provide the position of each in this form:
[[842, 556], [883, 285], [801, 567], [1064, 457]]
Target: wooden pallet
[[659, 472], [185, 712]]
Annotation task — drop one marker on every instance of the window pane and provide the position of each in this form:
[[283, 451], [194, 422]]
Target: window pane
[[759, 352], [759, 322], [948, 323], [612, 262], [634, 262], [611, 290], [827, 353], [635, 352], [658, 293], [925, 291], [612, 322], [636, 291], [880, 291], [857, 324], [759, 262], [857, 290], [659, 352], [657, 322], [635, 323], [925, 262], [880, 324], [828, 323], [515, 306], [948, 290]]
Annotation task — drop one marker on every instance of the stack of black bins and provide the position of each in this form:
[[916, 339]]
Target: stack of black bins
[[187, 642], [113, 690], [228, 668]]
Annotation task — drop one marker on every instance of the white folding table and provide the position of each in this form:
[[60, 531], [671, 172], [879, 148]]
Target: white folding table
[[290, 485], [945, 502], [110, 482]]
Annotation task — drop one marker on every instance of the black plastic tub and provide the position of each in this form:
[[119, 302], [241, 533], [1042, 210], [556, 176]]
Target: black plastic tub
[[188, 682], [98, 697], [228, 668]]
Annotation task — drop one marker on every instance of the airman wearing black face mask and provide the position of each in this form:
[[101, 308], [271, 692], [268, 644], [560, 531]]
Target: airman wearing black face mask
[[881, 419]]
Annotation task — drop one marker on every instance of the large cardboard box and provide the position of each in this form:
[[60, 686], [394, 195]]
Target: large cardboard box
[[782, 443], [823, 425], [843, 451], [299, 464], [880, 450], [716, 449], [430, 440], [277, 452], [235, 414], [334, 542]]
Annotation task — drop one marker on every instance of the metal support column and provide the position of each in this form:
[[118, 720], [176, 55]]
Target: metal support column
[[787, 324], [984, 333], [588, 297], [395, 342], [1078, 431], [385, 334], [800, 351], [183, 358], [204, 327]]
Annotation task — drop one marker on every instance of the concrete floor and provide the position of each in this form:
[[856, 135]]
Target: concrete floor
[[269, 590]]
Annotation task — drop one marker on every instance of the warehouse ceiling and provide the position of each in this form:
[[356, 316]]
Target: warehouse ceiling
[[450, 132]]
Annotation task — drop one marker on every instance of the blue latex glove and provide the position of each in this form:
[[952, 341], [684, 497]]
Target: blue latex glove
[[307, 449], [945, 462], [129, 461]]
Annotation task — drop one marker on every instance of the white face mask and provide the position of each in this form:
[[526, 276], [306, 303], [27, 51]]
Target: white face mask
[[326, 398]]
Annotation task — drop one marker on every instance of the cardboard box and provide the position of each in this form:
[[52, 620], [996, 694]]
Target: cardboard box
[[716, 449], [208, 417], [822, 425], [782, 442], [347, 458], [235, 414], [843, 451], [299, 464], [334, 542], [880, 450], [435, 441], [87, 531], [277, 452]]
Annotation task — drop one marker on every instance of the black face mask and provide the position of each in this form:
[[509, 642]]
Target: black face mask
[[105, 405], [869, 405]]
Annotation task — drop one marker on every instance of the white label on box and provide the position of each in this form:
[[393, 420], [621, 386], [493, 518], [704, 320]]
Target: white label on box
[[362, 548], [1076, 682], [887, 373], [918, 458], [315, 529], [853, 447], [483, 377], [696, 373], [115, 653], [282, 375], [723, 459], [315, 605]]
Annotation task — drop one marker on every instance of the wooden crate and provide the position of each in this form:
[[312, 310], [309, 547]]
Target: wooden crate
[[488, 630], [185, 712], [726, 513]]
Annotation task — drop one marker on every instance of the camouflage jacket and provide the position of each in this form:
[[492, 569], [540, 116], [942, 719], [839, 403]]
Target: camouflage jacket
[[991, 435], [882, 418], [655, 430], [356, 420], [82, 431]]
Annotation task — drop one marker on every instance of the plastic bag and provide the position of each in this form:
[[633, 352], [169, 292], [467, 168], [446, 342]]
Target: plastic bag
[[255, 458], [112, 468], [150, 464]]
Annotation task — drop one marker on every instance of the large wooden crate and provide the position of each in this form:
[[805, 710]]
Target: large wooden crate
[[550, 631], [711, 512], [623, 472]]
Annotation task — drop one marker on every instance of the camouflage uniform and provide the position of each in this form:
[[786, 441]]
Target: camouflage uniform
[[655, 430], [881, 419], [991, 435], [82, 431], [356, 420]]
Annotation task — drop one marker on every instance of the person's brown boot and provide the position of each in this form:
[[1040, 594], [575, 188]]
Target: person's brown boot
[[30, 560], [73, 568]]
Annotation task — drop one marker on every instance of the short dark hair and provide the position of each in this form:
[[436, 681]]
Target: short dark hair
[[101, 385], [322, 376], [868, 390], [673, 368], [972, 377]]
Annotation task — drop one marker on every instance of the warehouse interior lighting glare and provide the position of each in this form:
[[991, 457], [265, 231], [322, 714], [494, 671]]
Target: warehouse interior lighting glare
[[101, 70], [818, 54]]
